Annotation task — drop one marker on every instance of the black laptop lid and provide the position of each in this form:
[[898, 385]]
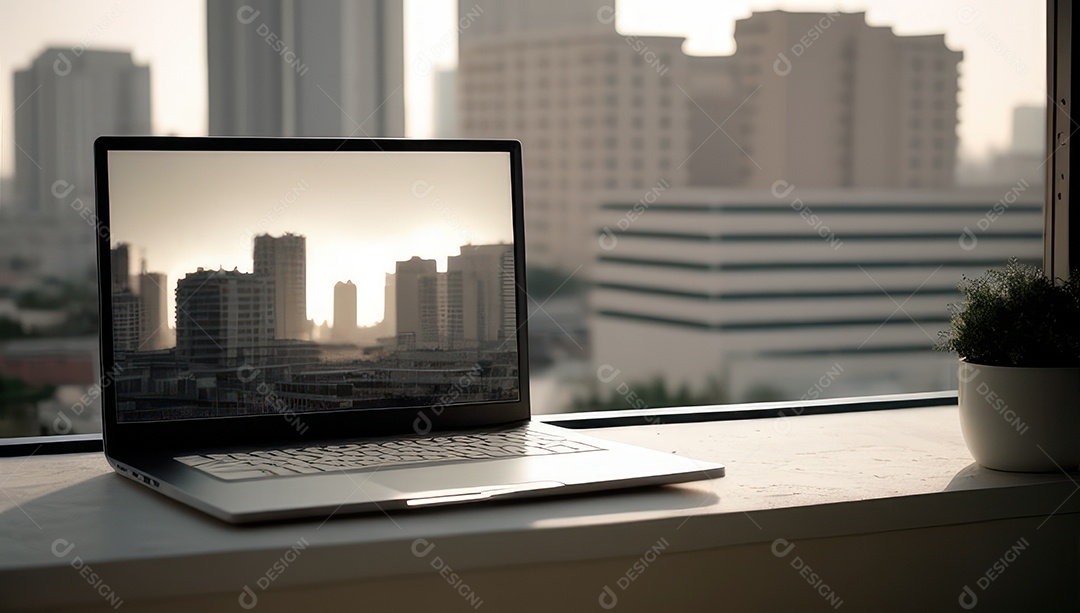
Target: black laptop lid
[[265, 290]]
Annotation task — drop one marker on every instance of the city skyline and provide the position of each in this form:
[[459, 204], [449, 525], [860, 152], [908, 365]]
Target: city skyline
[[355, 208], [1003, 47], [233, 354], [604, 139], [147, 278]]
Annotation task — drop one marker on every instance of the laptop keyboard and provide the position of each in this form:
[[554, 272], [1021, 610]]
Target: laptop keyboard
[[391, 453]]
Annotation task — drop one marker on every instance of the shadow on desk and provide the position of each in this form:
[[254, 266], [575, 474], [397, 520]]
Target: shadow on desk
[[973, 477]]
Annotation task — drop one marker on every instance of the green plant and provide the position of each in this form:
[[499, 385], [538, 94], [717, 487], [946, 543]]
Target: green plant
[[1016, 317]]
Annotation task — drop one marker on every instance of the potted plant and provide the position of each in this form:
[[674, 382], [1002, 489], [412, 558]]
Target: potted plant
[[1018, 337]]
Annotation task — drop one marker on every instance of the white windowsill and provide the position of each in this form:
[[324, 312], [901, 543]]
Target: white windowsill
[[794, 478]]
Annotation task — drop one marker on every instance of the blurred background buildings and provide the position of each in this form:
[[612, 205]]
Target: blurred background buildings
[[715, 228]]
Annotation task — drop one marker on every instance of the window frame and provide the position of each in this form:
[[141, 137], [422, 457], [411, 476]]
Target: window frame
[[1061, 244], [1061, 239]]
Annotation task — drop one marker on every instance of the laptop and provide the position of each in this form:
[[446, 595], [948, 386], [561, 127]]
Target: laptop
[[298, 327]]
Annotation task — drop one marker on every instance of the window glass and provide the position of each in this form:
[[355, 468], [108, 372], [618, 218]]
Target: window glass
[[725, 201]]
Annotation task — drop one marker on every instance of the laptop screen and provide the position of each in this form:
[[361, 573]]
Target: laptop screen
[[259, 282]]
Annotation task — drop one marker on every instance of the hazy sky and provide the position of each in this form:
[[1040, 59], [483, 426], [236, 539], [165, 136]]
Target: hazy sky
[[360, 211], [1003, 43]]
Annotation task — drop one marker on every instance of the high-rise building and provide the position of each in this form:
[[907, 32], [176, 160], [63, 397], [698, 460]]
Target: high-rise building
[[419, 298], [282, 262], [63, 102], [139, 309], [1029, 130], [509, 298], [876, 109], [593, 113], [716, 157], [475, 295], [508, 18], [446, 103], [344, 329], [285, 68], [7, 193], [597, 110], [388, 325], [152, 299], [129, 324], [120, 260], [1025, 159], [128, 321], [227, 317]]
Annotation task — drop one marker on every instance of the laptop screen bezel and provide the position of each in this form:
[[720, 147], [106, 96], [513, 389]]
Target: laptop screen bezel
[[122, 438]]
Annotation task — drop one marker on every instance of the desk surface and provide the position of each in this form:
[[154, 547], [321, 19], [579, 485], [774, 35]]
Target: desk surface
[[798, 477]]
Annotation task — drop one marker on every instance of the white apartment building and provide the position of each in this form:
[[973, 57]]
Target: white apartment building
[[831, 101], [594, 111], [817, 99], [778, 288]]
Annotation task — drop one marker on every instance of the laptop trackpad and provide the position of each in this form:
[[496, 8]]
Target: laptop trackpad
[[448, 484]]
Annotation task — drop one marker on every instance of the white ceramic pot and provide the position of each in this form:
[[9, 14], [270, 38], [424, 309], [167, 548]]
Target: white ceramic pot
[[1021, 419]]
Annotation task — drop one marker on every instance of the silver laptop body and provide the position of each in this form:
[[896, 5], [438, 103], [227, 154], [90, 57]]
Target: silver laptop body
[[314, 327]]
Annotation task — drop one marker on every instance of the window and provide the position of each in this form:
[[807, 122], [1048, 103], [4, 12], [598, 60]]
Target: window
[[800, 302]]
